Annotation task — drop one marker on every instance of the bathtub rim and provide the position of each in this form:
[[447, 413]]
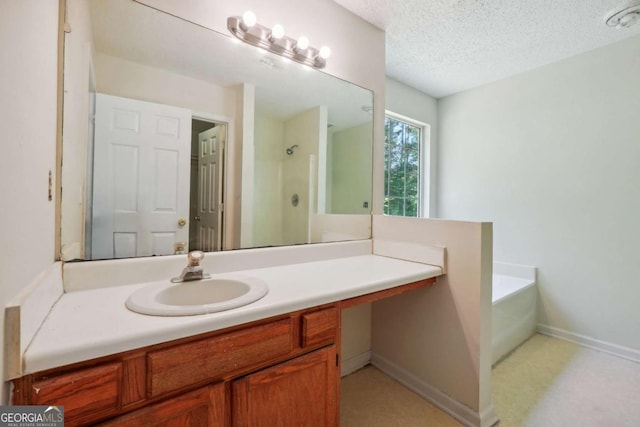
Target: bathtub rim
[[529, 283]]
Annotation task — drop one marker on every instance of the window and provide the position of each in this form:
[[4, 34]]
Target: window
[[403, 156]]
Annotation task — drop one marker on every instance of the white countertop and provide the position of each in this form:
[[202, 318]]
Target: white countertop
[[83, 325]]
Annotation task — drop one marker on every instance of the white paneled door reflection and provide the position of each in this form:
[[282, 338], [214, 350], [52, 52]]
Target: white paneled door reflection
[[141, 178], [210, 177]]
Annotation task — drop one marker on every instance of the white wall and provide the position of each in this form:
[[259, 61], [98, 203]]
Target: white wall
[[28, 54], [444, 350], [267, 208], [552, 156], [128, 79], [409, 102], [350, 171]]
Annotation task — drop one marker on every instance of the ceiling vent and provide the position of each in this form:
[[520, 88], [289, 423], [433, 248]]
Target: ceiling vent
[[625, 17]]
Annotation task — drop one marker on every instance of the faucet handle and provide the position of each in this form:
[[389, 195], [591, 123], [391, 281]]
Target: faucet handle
[[195, 257]]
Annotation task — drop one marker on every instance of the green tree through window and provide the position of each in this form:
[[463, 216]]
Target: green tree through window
[[402, 168]]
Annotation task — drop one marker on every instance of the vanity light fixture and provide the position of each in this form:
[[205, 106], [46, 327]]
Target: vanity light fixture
[[247, 29]]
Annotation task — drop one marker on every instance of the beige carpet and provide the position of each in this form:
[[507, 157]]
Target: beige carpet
[[369, 398], [549, 382], [544, 383]]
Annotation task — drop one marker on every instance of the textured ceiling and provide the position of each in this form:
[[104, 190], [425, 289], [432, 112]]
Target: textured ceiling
[[446, 46]]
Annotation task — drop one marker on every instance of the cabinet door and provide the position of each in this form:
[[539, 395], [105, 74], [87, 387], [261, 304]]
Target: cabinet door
[[204, 407], [300, 392]]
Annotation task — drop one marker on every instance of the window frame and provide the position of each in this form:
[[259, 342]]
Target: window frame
[[424, 167]]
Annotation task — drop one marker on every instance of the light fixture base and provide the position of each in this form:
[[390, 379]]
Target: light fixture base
[[260, 37]]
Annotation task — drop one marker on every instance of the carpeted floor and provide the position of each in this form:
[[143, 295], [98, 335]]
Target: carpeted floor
[[369, 398], [549, 382], [544, 383]]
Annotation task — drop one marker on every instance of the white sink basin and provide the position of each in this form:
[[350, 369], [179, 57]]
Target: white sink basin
[[197, 297]]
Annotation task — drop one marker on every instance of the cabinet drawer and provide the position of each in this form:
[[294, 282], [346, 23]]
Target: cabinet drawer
[[87, 393], [319, 327], [214, 358]]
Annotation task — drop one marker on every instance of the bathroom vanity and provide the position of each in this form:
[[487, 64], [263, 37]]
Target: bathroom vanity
[[286, 366], [248, 366]]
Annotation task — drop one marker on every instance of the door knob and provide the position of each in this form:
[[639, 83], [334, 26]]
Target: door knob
[[182, 222]]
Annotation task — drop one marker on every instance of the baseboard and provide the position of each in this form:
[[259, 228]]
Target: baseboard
[[457, 410], [606, 347], [354, 363]]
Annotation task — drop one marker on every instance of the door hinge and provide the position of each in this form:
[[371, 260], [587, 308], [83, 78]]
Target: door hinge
[[337, 359]]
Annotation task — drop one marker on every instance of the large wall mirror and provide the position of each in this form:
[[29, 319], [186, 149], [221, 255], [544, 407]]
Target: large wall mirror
[[177, 138]]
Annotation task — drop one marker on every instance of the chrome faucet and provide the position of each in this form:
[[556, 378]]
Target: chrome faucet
[[193, 271]]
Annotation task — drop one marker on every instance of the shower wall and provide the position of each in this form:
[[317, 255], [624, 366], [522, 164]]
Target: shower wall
[[306, 130]]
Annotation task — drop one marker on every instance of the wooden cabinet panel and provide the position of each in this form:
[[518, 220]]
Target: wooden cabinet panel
[[205, 407], [134, 385], [215, 358], [300, 392], [319, 327], [89, 393]]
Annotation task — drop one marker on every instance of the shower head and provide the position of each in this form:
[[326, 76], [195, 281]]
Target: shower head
[[290, 149]]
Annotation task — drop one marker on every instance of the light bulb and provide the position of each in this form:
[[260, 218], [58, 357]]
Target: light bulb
[[302, 43], [277, 32], [325, 52], [249, 18]]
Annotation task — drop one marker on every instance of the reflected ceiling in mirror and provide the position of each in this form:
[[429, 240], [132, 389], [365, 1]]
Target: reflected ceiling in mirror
[[177, 137]]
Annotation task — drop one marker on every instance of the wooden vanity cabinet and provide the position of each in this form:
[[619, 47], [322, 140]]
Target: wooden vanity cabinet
[[283, 371], [284, 368]]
